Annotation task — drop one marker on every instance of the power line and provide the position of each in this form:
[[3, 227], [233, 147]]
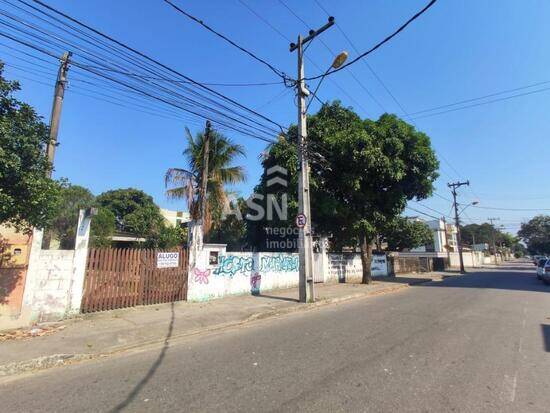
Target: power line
[[460, 102], [210, 29], [364, 61], [511, 209], [379, 44], [546, 89], [423, 213], [333, 54], [282, 35], [154, 61], [133, 88], [432, 209], [379, 79]]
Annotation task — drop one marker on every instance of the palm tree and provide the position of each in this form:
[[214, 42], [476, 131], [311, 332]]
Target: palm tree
[[186, 183]]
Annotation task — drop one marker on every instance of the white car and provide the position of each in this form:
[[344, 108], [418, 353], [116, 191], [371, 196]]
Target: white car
[[540, 267], [545, 276]]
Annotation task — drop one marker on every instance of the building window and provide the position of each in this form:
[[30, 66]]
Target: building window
[[213, 258]]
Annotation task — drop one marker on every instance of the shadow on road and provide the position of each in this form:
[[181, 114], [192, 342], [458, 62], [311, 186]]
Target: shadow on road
[[506, 277], [152, 370], [274, 297]]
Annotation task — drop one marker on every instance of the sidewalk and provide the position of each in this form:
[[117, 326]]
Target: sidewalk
[[109, 332]]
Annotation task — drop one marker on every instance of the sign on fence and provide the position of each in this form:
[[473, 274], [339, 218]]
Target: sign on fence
[[168, 259]]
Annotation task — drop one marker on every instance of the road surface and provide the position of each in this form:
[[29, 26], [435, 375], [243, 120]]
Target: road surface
[[476, 343]]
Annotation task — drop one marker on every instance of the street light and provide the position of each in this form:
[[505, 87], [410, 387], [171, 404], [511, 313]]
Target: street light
[[339, 60], [337, 63], [469, 205]]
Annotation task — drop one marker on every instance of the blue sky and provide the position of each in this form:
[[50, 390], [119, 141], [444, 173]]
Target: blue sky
[[457, 50]]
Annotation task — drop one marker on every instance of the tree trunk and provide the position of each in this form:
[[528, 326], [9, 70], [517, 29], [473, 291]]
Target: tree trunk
[[366, 259]]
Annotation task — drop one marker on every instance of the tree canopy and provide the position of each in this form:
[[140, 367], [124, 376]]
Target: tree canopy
[[363, 172], [536, 234], [134, 211], [403, 233], [28, 197], [72, 199], [186, 183]]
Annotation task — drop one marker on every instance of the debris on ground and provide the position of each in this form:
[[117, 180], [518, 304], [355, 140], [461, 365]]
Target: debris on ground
[[30, 332]]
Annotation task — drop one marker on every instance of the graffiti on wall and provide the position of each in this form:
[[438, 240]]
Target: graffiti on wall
[[255, 282], [231, 265], [201, 276]]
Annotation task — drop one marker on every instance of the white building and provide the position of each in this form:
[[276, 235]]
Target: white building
[[444, 237], [175, 218]]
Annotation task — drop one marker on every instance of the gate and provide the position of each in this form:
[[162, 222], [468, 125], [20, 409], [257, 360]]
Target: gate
[[118, 278]]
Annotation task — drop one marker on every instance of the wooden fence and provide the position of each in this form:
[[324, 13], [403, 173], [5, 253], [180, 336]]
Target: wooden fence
[[118, 278]]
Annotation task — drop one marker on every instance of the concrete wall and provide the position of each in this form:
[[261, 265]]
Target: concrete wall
[[240, 273], [472, 259], [55, 278], [348, 267]]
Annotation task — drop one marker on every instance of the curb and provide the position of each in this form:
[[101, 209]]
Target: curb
[[57, 360]]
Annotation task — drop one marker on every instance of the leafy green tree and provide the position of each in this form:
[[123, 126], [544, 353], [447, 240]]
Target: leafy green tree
[[170, 237], [403, 233], [28, 198], [263, 231], [186, 183], [376, 167], [134, 211], [536, 234], [73, 198], [231, 229], [484, 234], [519, 250], [102, 228], [363, 173]]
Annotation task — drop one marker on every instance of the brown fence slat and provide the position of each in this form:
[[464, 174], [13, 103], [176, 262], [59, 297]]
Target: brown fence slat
[[118, 278]]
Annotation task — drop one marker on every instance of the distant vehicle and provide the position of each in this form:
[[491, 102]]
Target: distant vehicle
[[540, 267], [546, 273], [536, 258]]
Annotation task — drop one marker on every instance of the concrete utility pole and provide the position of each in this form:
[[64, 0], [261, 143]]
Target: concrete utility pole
[[454, 186], [59, 93], [305, 242], [204, 178], [492, 221]]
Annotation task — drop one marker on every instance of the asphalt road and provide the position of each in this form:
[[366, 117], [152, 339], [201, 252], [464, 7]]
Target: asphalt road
[[480, 342]]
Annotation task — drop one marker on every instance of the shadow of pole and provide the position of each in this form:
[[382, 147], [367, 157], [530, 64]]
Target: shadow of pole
[[152, 370]]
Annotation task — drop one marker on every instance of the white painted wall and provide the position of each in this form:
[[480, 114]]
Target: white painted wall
[[348, 267], [241, 273], [472, 259], [55, 278]]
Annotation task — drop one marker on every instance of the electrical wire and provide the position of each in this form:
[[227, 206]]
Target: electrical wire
[[381, 43], [205, 110], [511, 209], [210, 29], [282, 35], [155, 62], [422, 213], [432, 209]]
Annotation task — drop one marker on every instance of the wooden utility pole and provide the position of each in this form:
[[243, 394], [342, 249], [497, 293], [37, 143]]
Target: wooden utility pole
[[305, 242], [59, 93], [204, 178]]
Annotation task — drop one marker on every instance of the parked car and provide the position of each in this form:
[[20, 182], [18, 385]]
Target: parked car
[[537, 258], [546, 273], [540, 267]]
